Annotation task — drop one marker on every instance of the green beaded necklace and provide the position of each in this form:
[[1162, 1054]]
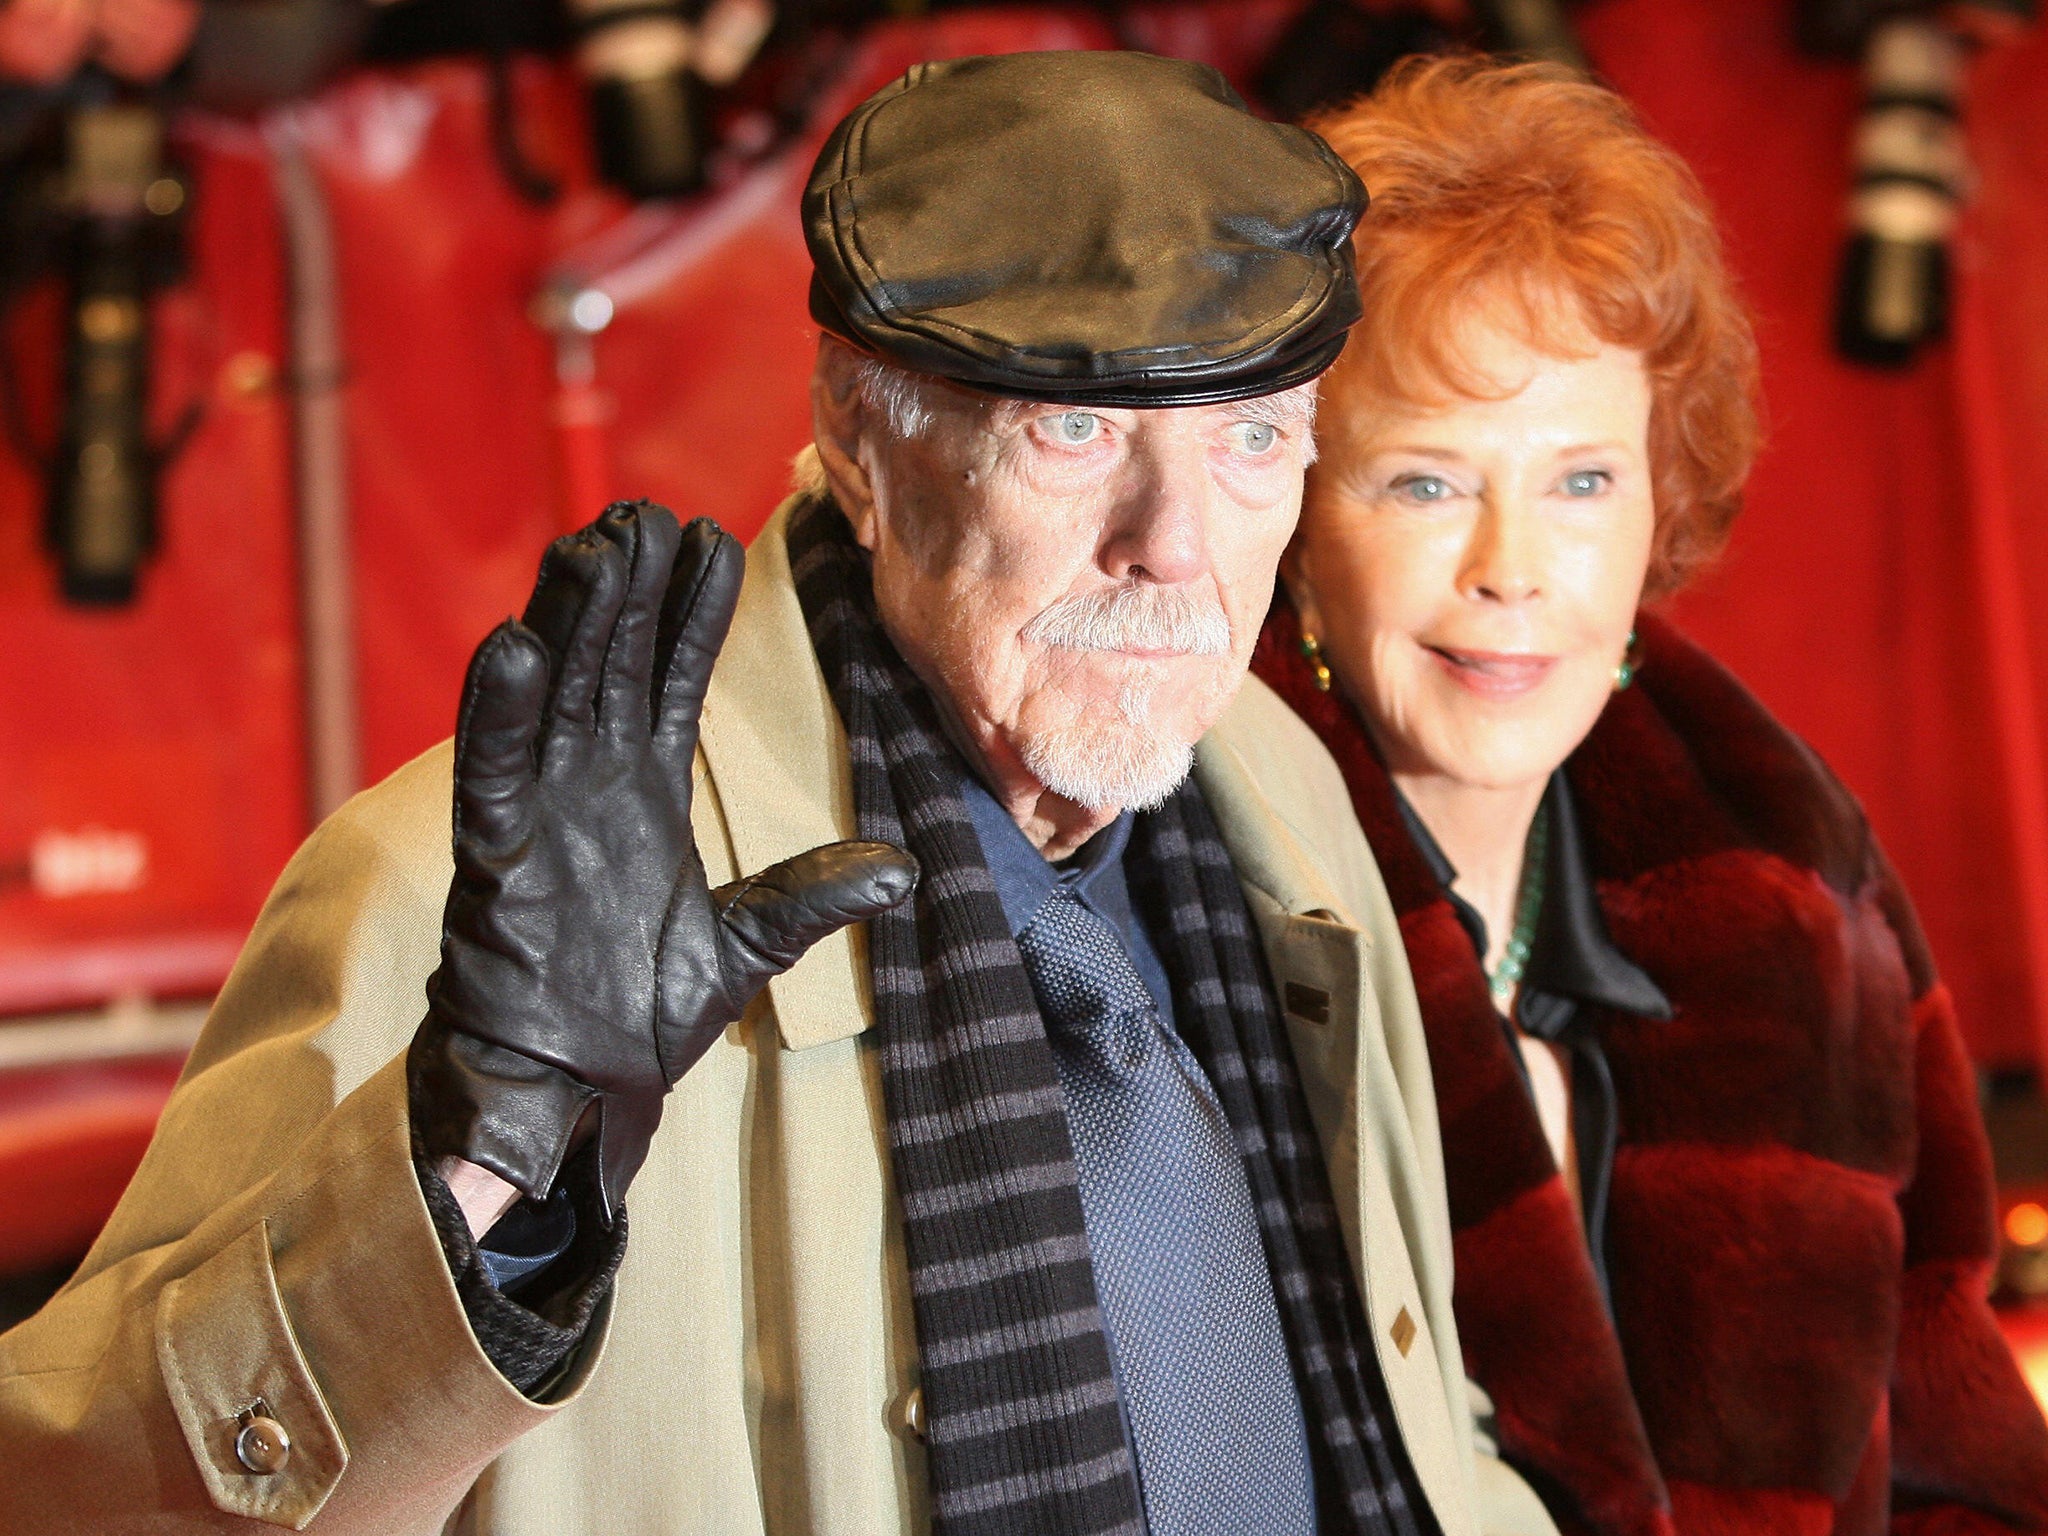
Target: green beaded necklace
[[1502, 980]]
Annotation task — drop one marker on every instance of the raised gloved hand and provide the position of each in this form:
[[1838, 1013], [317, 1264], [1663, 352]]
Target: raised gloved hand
[[585, 965]]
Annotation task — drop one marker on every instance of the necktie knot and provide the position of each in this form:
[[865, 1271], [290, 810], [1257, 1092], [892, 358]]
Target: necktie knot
[[1082, 974]]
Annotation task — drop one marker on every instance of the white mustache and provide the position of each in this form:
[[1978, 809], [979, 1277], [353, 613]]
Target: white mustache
[[1134, 618]]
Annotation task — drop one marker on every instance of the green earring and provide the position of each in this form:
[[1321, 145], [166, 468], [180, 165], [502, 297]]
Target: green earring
[[1312, 653], [1625, 671]]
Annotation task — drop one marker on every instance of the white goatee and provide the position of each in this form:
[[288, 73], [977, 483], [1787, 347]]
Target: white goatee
[[1129, 765]]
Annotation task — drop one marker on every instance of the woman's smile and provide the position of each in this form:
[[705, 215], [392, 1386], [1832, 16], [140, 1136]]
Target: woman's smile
[[1496, 675]]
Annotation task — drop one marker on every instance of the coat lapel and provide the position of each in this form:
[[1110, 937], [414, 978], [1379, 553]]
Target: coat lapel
[[770, 725], [1368, 1091]]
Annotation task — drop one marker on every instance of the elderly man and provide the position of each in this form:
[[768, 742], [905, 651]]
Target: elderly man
[[1094, 1189]]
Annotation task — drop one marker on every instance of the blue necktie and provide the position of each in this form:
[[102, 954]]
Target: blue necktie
[[1214, 1412]]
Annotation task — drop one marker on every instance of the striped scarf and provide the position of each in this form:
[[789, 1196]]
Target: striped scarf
[[1024, 1434]]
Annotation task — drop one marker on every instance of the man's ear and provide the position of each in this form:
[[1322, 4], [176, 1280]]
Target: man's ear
[[838, 423]]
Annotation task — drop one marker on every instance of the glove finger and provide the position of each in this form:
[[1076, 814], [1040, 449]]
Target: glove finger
[[504, 700], [574, 605], [701, 597], [647, 536], [766, 923], [559, 592]]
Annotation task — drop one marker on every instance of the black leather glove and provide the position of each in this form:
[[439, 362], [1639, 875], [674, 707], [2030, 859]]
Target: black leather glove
[[584, 963]]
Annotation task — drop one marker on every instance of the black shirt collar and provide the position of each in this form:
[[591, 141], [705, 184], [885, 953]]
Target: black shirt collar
[[1572, 958]]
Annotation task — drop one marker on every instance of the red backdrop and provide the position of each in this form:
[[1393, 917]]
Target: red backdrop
[[1851, 601]]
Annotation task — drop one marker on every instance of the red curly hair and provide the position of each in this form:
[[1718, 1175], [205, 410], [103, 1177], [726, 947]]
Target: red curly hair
[[1513, 185]]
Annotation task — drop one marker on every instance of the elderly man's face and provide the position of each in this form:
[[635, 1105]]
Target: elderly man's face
[[1081, 588]]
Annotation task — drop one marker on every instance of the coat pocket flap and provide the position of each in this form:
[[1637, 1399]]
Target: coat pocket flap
[[229, 1360]]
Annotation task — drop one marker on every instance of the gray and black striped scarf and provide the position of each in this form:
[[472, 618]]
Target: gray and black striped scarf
[[1023, 1429]]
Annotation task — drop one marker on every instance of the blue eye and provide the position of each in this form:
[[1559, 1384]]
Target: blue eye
[[1427, 488], [1257, 436], [1074, 427], [1587, 482]]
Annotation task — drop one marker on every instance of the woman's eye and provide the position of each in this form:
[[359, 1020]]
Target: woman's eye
[[1256, 437], [1075, 427], [1586, 482], [1425, 488]]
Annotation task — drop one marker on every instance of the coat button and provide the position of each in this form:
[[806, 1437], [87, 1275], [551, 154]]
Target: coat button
[[262, 1445], [913, 1412], [1403, 1332]]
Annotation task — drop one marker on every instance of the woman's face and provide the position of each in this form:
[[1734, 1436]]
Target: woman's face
[[1473, 572]]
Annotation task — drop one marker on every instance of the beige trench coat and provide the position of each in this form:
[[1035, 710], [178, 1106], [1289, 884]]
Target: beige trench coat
[[760, 1353]]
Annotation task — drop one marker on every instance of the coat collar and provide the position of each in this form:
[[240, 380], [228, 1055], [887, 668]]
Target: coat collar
[[773, 740], [772, 736]]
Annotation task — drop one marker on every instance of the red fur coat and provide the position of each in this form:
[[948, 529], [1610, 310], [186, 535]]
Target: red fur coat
[[1800, 1225]]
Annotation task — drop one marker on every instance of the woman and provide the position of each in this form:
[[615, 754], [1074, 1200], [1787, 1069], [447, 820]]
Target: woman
[[1721, 1197]]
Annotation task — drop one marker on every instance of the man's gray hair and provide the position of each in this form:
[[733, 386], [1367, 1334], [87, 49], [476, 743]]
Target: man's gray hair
[[896, 395]]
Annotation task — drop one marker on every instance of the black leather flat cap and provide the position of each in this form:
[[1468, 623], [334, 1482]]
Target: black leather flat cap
[[1095, 228]]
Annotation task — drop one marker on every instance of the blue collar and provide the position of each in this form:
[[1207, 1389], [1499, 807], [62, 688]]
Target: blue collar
[[1095, 873]]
